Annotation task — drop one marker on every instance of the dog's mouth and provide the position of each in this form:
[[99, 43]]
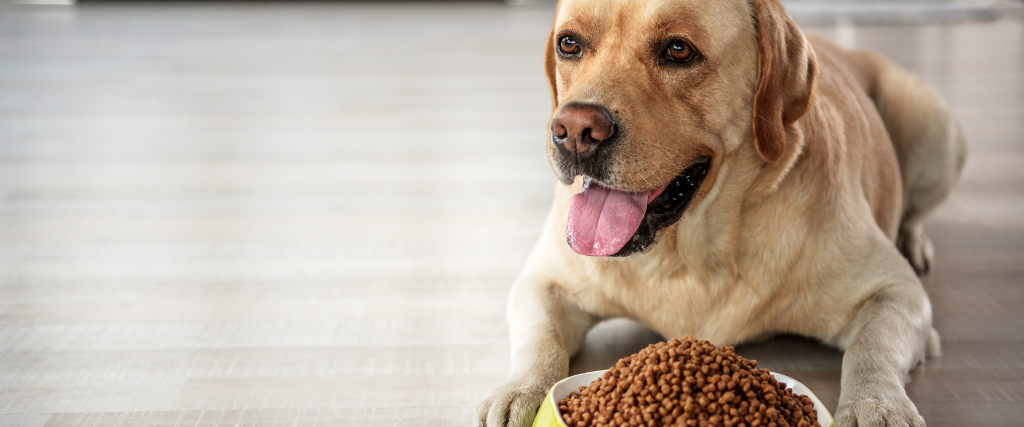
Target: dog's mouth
[[608, 222]]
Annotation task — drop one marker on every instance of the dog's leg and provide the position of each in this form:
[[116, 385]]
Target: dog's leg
[[546, 328], [937, 172], [888, 336], [929, 144]]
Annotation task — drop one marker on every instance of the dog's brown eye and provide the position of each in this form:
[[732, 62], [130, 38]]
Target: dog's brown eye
[[680, 51], [568, 45]]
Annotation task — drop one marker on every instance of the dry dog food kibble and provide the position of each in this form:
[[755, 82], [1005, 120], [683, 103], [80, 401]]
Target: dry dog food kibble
[[687, 383]]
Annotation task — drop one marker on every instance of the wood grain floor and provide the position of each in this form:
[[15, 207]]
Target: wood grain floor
[[310, 214]]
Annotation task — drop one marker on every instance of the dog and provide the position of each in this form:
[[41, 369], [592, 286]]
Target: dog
[[724, 176]]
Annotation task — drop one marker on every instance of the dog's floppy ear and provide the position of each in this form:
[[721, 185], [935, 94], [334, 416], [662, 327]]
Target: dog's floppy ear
[[785, 82], [549, 66]]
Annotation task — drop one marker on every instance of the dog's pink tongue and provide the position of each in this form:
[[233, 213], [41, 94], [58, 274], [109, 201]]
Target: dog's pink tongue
[[602, 220]]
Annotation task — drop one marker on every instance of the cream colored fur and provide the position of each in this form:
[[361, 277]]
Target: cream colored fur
[[806, 244]]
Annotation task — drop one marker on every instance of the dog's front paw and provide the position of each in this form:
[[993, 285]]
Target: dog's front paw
[[513, 404], [879, 411]]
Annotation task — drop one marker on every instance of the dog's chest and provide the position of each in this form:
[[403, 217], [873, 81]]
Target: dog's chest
[[715, 308]]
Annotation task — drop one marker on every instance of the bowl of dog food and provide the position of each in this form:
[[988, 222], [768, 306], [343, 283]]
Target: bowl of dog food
[[686, 383]]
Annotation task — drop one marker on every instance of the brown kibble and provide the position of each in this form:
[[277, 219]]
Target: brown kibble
[[685, 382]]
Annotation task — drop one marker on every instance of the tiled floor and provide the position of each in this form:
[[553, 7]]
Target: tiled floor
[[310, 214]]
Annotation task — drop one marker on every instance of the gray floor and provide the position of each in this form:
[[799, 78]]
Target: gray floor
[[309, 214]]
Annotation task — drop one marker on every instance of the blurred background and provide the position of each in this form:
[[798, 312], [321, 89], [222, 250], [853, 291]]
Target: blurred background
[[310, 213]]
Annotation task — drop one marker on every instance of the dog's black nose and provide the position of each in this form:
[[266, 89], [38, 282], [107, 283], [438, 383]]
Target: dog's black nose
[[579, 129]]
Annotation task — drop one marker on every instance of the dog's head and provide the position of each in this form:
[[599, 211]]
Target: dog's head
[[650, 97]]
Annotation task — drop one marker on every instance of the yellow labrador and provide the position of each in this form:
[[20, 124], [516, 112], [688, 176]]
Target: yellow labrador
[[727, 178]]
